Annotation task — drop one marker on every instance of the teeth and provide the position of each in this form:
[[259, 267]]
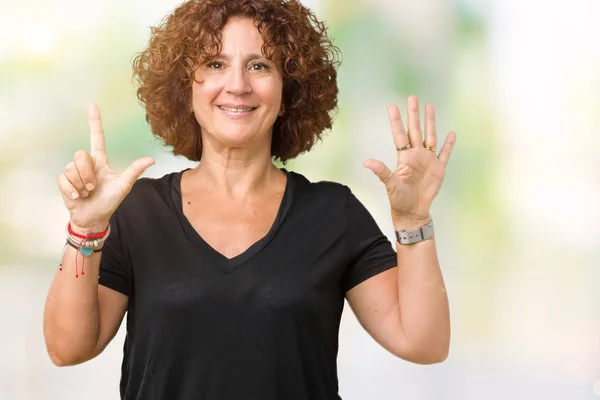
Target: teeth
[[236, 109]]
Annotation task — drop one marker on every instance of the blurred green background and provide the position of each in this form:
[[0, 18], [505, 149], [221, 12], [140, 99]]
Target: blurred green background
[[517, 220]]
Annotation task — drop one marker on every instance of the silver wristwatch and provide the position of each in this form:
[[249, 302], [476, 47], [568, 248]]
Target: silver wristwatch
[[415, 235]]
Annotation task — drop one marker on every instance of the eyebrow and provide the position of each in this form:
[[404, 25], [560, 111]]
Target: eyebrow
[[248, 57]]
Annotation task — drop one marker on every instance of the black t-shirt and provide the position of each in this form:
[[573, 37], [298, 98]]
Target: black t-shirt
[[263, 325]]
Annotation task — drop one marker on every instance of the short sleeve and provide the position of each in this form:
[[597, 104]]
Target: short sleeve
[[114, 263], [370, 250]]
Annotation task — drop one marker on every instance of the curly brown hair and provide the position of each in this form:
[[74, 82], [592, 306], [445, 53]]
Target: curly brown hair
[[192, 34]]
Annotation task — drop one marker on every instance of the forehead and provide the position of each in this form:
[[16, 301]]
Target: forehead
[[241, 33]]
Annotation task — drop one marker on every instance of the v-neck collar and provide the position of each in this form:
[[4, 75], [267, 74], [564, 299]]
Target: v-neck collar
[[229, 264]]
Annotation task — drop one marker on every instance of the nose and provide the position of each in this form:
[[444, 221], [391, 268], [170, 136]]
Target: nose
[[238, 82]]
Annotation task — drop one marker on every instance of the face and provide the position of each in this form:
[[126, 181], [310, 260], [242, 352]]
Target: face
[[237, 96]]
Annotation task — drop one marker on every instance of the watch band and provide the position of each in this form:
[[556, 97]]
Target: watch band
[[415, 235]]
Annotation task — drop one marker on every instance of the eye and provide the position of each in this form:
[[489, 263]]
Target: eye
[[216, 65], [259, 67]]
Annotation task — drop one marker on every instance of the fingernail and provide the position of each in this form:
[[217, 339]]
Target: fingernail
[[74, 195], [84, 193], [89, 186]]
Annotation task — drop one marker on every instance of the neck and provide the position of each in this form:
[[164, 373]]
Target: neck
[[235, 172]]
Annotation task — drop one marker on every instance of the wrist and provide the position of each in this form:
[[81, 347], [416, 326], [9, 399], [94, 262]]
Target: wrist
[[416, 234], [85, 241], [87, 229], [403, 223]]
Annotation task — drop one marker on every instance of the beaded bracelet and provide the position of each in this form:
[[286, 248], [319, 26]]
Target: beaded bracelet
[[89, 243], [85, 245], [85, 251]]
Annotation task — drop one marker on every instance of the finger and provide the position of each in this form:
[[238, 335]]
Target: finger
[[446, 151], [398, 131], [97, 145], [379, 169], [72, 174], [136, 169], [66, 188], [85, 166], [414, 123], [430, 130]]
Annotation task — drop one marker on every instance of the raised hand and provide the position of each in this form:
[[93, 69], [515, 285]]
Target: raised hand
[[90, 188], [419, 173]]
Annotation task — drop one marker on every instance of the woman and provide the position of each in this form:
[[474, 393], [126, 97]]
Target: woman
[[233, 274]]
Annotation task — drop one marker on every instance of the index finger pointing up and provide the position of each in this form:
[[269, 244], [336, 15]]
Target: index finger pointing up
[[97, 147]]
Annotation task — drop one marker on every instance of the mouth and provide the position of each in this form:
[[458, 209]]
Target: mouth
[[237, 109]]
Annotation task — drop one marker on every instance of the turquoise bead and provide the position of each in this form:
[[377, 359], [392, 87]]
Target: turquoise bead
[[86, 251]]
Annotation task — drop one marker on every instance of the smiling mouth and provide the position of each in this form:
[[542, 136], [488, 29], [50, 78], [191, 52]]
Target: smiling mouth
[[238, 110]]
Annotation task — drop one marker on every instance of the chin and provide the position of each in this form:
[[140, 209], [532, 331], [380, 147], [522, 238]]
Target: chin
[[238, 137]]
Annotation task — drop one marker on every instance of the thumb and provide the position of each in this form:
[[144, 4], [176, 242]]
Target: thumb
[[136, 169], [378, 168]]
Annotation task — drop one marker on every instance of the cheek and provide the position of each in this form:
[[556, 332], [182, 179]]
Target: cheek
[[204, 91], [201, 102], [271, 93]]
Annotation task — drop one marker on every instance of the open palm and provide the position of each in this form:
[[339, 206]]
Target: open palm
[[415, 182]]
